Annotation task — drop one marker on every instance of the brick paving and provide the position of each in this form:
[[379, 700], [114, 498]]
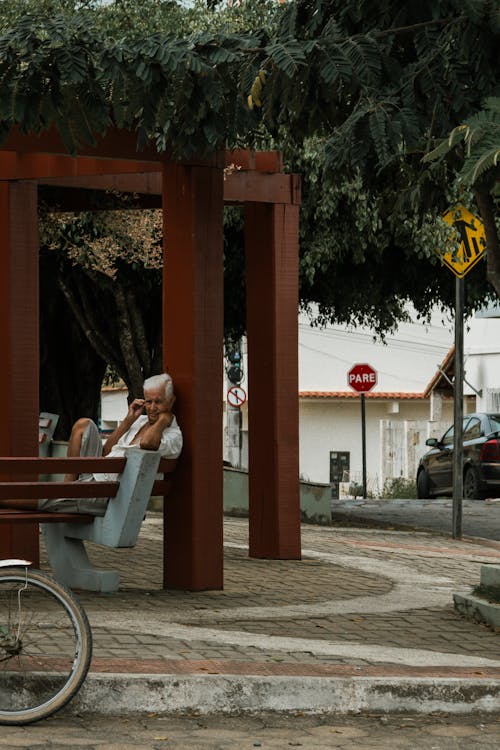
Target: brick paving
[[266, 730], [359, 602]]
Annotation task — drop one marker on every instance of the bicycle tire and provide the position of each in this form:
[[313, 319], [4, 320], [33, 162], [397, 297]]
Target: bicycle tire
[[45, 645]]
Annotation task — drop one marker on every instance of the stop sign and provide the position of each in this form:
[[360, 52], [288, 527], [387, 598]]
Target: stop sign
[[362, 378]]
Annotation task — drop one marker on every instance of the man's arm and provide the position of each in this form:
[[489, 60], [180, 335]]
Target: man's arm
[[134, 412], [151, 437]]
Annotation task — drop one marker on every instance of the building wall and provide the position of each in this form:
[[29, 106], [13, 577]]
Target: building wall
[[335, 426], [482, 362], [114, 407]]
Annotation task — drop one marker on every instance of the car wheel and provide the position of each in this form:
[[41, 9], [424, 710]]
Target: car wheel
[[471, 485], [423, 491]]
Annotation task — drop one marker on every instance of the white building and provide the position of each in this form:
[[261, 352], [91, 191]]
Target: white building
[[398, 414], [482, 359]]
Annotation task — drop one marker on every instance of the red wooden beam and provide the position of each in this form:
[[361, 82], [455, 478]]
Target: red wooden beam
[[33, 166], [28, 163], [239, 187], [38, 490], [256, 187], [262, 161], [19, 343], [193, 353], [63, 465], [114, 144], [9, 515], [271, 235]]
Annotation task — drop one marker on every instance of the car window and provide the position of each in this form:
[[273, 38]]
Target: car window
[[494, 422], [448, 437], [473, 429]]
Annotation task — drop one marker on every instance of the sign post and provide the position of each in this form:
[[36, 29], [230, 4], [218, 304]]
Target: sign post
[[458, 411], [362, 378], [460, 261]]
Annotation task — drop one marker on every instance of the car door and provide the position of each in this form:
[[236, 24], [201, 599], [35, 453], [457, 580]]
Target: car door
[[440, 463], [473, 440]]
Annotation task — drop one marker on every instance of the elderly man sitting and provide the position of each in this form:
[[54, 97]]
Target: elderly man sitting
[[156, 430]]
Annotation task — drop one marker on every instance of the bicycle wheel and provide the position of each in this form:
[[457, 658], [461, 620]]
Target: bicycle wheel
[[45, 645]]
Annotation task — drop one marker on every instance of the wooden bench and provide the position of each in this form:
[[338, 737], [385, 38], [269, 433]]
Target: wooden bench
[[65, 533]]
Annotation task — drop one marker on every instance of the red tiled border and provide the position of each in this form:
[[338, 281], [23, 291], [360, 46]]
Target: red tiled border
[[283, 669]]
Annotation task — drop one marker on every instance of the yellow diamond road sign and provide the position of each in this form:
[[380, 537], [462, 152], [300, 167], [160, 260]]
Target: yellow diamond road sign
[[473, 243]]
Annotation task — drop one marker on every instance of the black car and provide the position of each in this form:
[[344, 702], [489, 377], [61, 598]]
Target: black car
[[481, 439]]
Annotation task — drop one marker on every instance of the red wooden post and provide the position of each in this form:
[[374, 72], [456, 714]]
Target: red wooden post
[[193, 353], [19, 347], [271, 233]]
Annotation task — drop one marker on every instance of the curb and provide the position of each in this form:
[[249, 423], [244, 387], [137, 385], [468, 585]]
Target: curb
[[478, 609], [114, 694]]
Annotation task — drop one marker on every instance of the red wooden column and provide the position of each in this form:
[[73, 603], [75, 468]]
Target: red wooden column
[[193, 354], [19, 348], [271, 232]]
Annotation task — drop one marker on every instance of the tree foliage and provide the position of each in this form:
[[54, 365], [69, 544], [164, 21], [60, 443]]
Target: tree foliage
[[381, 85], [178, 92]]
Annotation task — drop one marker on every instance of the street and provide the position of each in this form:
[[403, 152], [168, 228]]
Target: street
[[150, 732], [480, 518]]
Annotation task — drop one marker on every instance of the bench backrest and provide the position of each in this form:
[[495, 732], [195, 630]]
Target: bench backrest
[[120, 525]]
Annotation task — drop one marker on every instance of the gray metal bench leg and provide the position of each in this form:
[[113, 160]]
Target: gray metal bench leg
[[70, 563]]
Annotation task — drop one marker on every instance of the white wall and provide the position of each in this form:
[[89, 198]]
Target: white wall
[[114, 407], [335, 425], [405, 363], [482, 361]]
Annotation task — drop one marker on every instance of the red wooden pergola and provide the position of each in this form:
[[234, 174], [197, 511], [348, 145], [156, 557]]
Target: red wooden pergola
[[192, 197]]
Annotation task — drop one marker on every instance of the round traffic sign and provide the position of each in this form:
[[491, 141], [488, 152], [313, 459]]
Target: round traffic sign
[[362, 377], [236, 396]]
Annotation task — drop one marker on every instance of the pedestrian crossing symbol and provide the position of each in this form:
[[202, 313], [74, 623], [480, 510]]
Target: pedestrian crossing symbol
[[473, 241]]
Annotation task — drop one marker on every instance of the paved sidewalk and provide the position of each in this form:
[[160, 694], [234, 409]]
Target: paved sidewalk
[[364, 621]]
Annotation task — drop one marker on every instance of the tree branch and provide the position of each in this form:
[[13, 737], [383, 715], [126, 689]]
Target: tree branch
[[157, 355], [135, 377], [89, 325], [138, 331]]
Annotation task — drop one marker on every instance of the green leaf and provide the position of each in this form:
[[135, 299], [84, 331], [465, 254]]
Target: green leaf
[[287, 57]]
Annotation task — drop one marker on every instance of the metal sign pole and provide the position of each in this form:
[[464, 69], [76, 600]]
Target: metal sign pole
[[458, 411], [363, 442]]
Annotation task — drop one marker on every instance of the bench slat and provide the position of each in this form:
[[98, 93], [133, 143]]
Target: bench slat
[[62, 465], [167, 465], [37, 490], [35, 516], [73, 465], [161, 487]]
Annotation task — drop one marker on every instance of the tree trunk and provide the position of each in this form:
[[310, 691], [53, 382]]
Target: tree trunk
[[487, 211], [71, 372]]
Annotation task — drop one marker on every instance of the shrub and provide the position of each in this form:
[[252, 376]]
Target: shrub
[[399, 487]]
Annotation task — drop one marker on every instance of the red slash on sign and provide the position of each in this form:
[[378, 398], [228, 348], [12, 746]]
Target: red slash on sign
[[362, 378], [236, 396]]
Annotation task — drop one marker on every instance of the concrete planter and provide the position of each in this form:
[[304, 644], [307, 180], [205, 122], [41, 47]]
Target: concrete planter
[[315, 499]]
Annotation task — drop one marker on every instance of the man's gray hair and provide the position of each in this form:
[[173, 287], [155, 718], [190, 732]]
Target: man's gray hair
[[157, 381]]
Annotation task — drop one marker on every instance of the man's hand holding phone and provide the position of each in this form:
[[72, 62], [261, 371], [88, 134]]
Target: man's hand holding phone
[[136, 408]]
